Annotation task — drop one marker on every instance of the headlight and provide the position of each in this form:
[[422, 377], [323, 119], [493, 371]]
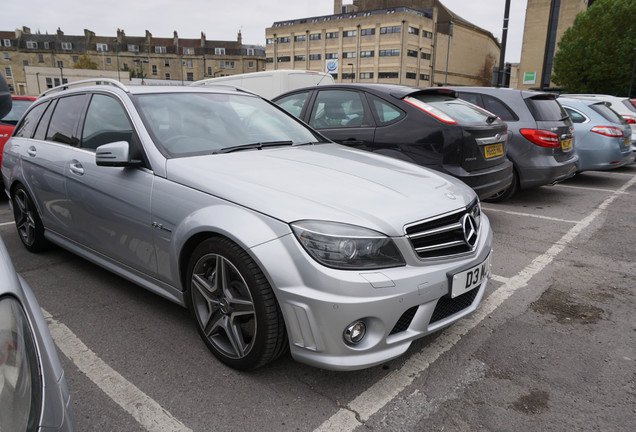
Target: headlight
[[347, 247], [20, 385]]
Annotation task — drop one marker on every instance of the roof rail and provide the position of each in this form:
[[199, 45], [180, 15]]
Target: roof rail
[[96, 81], [206, 83]]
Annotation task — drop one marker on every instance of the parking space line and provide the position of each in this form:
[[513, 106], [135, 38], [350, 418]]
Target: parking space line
[[372, 400], [148, 413], [514, 213], [501, 279], [591, 189], [6, 224]]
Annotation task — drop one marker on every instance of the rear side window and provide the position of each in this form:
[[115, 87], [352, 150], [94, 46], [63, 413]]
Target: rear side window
[[499, 108], [293, 104], [65, 119], [106, 122], [608, 113], [575, 116], [545, 109], [386, 112], [29, 123]]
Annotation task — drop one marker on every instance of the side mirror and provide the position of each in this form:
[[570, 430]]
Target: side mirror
[[115, 154]]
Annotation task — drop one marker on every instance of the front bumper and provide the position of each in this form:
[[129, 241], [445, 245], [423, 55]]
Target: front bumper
[[398, 305]]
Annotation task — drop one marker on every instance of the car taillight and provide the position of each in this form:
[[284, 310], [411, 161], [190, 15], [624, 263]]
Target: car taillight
[[541, 138], [429, 109], [629, 118], [609, 131]]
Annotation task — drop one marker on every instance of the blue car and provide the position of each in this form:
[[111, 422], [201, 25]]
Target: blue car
[[602, 136]]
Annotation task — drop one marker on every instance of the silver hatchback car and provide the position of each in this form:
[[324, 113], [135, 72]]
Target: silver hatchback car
[[274, 237]]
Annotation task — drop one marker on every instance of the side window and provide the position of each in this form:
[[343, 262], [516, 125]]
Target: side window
[[293, 104], [106, 122], [473, 98], [40, 132], [497, 107], [65, 119], [27, 126], [576, 116], [337, 109], [386, 112]]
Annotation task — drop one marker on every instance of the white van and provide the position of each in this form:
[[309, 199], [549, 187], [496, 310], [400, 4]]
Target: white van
[[270, 84]]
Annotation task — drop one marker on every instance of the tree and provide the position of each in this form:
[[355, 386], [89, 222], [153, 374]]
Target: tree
[[84, 62], [484, 77], [596, 54]]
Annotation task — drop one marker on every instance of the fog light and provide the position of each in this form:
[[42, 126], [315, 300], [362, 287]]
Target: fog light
[[355, 332]]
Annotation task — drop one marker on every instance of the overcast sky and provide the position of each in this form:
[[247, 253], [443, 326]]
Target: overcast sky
[[220, 19]]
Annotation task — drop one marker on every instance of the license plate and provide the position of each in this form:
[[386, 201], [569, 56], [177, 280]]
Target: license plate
[[627, 141], [493, 150], [471, 278], [566, 144]]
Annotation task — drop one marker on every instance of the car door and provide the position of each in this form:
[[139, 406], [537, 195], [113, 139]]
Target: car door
[[343, 116], [110, 206]]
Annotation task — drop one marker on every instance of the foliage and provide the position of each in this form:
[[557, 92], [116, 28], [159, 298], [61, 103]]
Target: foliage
[[84, 62], [485, 75], [596, 54]]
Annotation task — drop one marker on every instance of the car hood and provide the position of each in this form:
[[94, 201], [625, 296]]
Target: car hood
[[324, 182]]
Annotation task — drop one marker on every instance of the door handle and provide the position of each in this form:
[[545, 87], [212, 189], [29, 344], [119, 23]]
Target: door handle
[[76, 167], [32, 151]]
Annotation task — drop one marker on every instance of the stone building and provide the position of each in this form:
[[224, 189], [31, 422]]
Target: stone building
[[413, 42], [170, 59]]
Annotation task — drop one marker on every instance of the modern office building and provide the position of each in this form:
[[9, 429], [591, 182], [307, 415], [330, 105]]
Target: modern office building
[[413, 42], [174, 59]]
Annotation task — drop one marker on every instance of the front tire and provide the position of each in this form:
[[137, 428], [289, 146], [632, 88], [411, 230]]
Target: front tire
[[233, 305], [28, 222]]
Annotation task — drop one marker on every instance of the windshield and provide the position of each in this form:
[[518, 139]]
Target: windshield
[[187, 124]]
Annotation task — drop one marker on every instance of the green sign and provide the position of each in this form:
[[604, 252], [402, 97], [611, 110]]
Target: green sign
[[529, 77]]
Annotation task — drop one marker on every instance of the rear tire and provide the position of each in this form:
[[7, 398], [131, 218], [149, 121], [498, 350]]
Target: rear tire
[[28, 222], [507, 193], [234, 306]]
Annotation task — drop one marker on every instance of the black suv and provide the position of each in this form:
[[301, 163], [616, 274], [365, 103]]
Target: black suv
[[429, 127]]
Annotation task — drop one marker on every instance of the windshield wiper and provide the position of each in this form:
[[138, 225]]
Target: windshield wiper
[[257, 145]]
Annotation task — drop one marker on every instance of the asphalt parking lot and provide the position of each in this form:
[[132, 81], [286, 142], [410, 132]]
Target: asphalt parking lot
[[551, 347]]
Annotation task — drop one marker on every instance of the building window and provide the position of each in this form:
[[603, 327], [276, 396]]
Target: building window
[[331, 56], [283, 59], [331, 35], [284, 39], [315, 36], [349, 54], [427, 34], [101, 47], [75, 59], [32, 44], [269, 41], [301, 57], [411, 53], [60, 64], [133, 48], [154, 69], [393, 29], [219, 51], [250, 52], [5, 56], [228, 64], [389, 53], [49, 83], [367, 53], [7, 72], [167, 75], [251, 64], [366, 75], [348, 76], [388, 75], [414, 31], [108, 61], [425, 77], [269, 60], [350, 33], [6, 42], [40, 58], [67, 46], [188, 51], [411, 75], [190, 76], [300, 38], [25, 62], [188, 64], [367, 32], [209, 70], [161, 50], [46, 45], [166, 63], [315, 56]]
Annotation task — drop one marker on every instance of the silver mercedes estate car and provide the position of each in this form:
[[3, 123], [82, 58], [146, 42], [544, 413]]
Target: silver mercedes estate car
[[274, 237]]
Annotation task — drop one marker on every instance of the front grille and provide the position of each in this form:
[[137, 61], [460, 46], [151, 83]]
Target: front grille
[[447, 306], [405, 321], [445, 235]]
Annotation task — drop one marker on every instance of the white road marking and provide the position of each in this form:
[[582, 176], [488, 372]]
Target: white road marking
[[6, 223], [382, 392], [536, 216], [590, 189], [145, 410], [501, 279]]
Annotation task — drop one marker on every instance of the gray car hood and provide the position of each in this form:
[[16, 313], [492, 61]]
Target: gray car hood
[[324, 182]]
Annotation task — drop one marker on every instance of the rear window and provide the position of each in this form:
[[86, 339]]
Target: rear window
[[546, 109], [457, 109], [608, 113]]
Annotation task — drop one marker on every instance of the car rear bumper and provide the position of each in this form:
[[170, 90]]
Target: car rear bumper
[[487, 182], [545, 170]]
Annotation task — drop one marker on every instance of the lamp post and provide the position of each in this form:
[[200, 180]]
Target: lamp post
[[37, 77], [117, 54], [351, 64], [450, 33]]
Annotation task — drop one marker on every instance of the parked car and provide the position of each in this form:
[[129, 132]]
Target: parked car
[[602, 136], [273, 236], [540, 135], [428, 127], [8, 121]]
